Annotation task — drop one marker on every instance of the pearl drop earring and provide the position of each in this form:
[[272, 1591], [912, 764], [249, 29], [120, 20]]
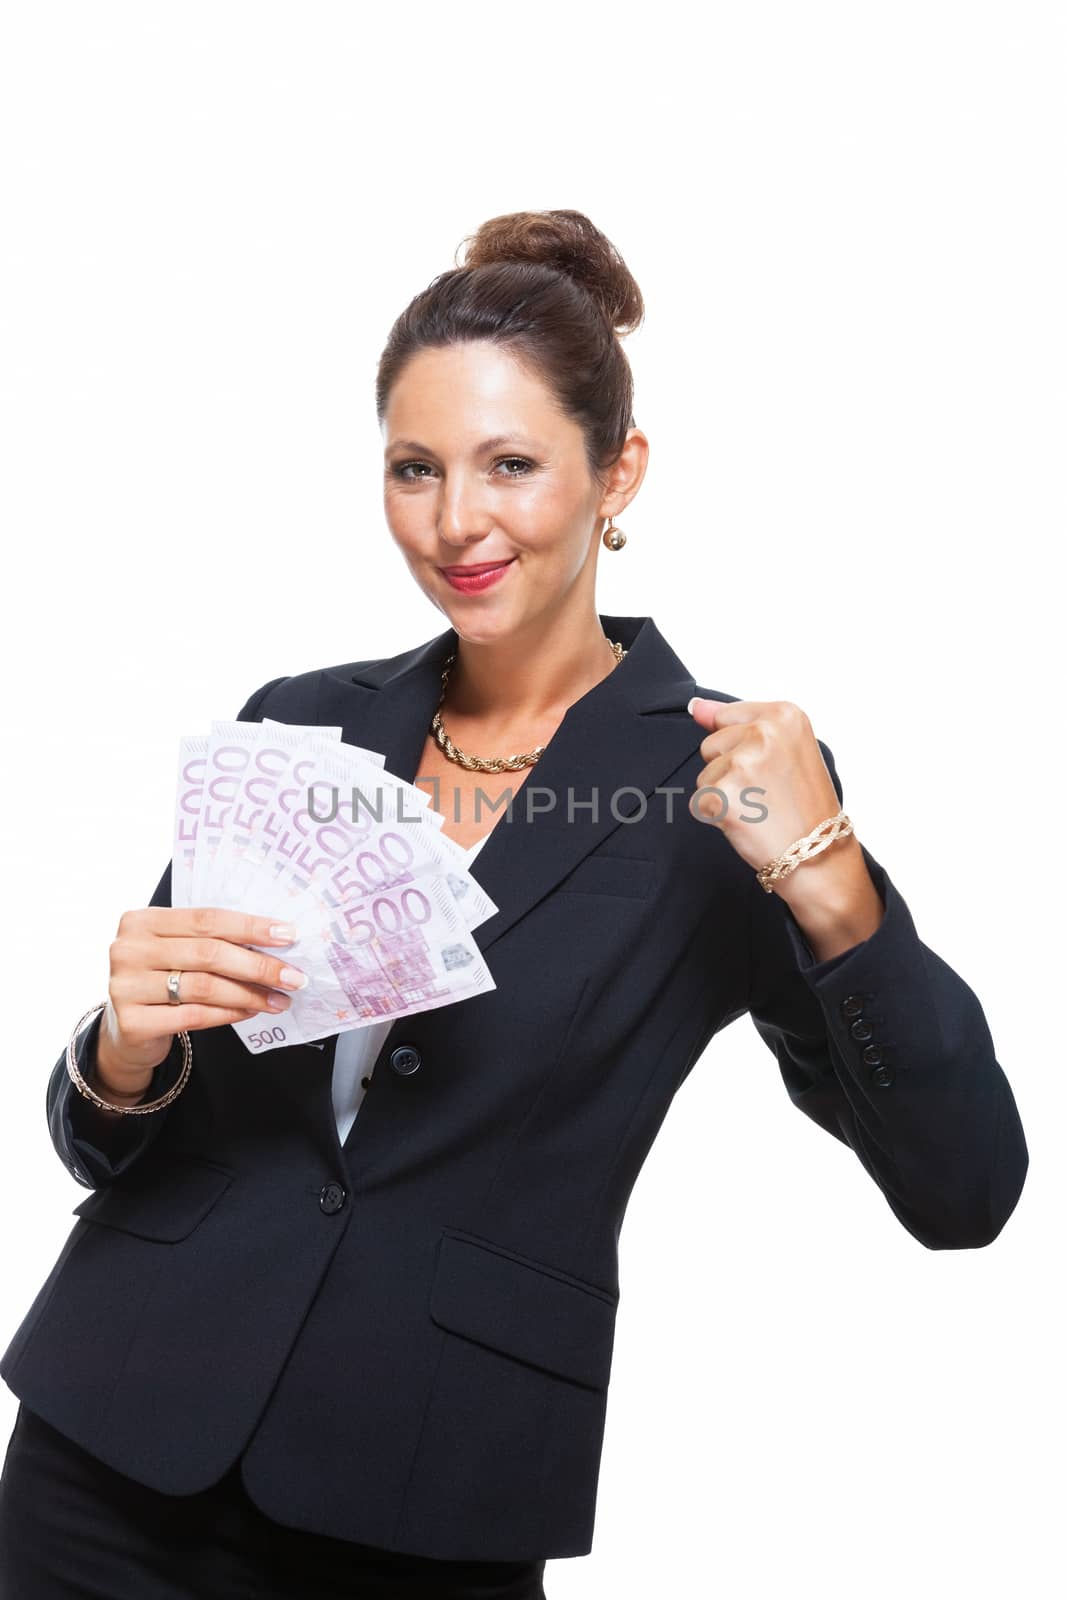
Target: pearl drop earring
[[614, 538]]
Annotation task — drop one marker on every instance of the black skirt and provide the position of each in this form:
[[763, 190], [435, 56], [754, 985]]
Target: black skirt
[[72, 1528]]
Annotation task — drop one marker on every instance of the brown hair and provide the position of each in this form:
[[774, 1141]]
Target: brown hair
[[552, 290]]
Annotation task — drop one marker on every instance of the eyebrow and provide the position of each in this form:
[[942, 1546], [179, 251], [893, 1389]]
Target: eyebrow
[[486, 444]]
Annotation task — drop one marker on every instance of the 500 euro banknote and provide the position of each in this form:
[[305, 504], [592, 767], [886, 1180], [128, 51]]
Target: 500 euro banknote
[[288, 822]]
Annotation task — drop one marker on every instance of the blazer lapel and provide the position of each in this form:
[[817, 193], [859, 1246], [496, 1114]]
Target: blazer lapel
[[611, 747]]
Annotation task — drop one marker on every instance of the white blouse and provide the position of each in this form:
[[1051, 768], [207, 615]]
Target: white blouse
[[356, 1052]]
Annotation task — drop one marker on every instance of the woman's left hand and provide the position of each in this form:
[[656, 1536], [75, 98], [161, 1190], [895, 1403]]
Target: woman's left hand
[[767, 748], [764, 761]]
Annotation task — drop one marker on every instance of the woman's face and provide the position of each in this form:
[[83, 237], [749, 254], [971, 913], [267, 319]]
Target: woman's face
[[481, 467]]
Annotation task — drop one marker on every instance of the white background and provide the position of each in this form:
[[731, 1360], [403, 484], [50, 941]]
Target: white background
[[847, 224]]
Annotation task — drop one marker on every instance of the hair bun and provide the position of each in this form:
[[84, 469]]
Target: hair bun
[[569, 242]]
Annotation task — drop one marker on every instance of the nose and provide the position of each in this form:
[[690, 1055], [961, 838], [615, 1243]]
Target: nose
[[462, 515]]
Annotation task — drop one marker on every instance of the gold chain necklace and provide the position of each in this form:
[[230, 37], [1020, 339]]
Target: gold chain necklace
[[488, 763]]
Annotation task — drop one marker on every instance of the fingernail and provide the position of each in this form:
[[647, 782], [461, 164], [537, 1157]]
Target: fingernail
[[283, 931], [292, 978], [278, 1002], [691, 704]]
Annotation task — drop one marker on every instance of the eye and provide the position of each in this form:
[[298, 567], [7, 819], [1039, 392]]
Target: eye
[[403, 468]]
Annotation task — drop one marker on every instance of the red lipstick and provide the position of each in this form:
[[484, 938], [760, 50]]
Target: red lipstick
[[472, 577]]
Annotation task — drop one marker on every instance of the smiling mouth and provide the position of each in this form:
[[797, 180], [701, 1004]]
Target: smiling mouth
[[472, 569], [476, 578]]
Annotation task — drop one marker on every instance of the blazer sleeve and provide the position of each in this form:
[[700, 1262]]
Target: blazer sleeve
[[95, 1146], [888, 1049]]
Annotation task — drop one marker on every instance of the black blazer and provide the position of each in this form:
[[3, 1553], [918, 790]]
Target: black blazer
[[409, 1336]]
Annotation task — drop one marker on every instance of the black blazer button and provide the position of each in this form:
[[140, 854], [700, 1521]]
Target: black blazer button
[[405, 1059], [331, 1198], [882, 1076], [862, 1031], [872, 1056], [852, 1007]]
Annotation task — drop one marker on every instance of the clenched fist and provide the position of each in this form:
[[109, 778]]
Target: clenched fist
[[764, 762], [764, 765]]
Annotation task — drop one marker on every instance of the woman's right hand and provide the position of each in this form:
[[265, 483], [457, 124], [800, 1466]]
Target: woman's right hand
[[221, 982]]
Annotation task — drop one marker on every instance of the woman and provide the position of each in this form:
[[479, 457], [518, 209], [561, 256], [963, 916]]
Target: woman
[[287, 1350]]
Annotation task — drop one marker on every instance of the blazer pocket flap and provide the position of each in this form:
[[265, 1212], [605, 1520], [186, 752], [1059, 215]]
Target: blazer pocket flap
[[530, 1312], [629, 876], [164, 1200]]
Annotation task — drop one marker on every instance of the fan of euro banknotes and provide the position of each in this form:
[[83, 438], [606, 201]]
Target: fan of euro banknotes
[[290, 822]]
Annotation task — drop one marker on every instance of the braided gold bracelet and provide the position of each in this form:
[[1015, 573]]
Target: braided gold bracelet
[[106, 1105], [812, 844]]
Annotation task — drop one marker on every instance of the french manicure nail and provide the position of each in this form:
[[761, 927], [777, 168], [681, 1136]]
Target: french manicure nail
[[292, 978], [278, 1002], [284, 931]]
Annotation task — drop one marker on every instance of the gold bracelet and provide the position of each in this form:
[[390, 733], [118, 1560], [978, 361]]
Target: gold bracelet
[[106, 1105], [812, 844]]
